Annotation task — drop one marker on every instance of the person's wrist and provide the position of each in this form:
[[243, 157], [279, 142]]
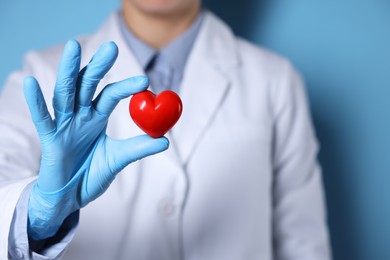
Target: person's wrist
[[46, 212], [40, 229]]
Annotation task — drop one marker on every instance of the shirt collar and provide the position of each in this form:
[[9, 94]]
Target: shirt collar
[[142, 51], [175, 52]]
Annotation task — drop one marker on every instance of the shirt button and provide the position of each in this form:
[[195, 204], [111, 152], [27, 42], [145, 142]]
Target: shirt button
[[166, 207], [19, 253]]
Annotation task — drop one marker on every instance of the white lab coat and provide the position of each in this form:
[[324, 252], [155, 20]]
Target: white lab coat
[[239, 181]]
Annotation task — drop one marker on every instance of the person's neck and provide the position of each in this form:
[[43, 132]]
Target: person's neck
[[157, 30]]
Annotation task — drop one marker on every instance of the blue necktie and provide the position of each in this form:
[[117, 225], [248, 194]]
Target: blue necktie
[[160, 73]]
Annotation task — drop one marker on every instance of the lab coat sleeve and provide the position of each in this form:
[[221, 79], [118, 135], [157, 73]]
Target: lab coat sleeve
[[299, 223], [19, 143], [52, 248]]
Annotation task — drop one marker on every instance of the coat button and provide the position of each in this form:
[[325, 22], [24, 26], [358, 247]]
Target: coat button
[[166, 207]]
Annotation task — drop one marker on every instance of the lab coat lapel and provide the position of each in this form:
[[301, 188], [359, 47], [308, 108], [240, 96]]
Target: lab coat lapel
[[126, 65], [204, 84]]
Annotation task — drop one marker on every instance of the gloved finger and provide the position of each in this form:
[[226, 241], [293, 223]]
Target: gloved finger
[[116, 156], [90, 76], [65, 88], [37, 105], [121, 153], [110, 96]]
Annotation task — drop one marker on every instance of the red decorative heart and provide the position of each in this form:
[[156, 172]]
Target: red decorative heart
[[155, 115]]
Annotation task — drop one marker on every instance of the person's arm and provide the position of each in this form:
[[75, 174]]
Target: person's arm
[[78, 161], [20, 247], [19, 145], [299, 223], [19, 165]]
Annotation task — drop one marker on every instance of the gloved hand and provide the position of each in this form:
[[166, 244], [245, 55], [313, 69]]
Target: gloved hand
[[79, 161]]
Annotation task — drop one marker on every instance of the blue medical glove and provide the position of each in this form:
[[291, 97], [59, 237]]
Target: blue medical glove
[[79, 161]]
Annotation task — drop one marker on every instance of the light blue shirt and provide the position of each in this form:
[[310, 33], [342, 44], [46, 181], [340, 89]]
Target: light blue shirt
[[166, 72]]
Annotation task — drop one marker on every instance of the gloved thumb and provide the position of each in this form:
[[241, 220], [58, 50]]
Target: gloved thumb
[[121, 153]]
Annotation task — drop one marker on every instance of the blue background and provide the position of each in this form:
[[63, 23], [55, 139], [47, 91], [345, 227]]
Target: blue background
[[342, 49]]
